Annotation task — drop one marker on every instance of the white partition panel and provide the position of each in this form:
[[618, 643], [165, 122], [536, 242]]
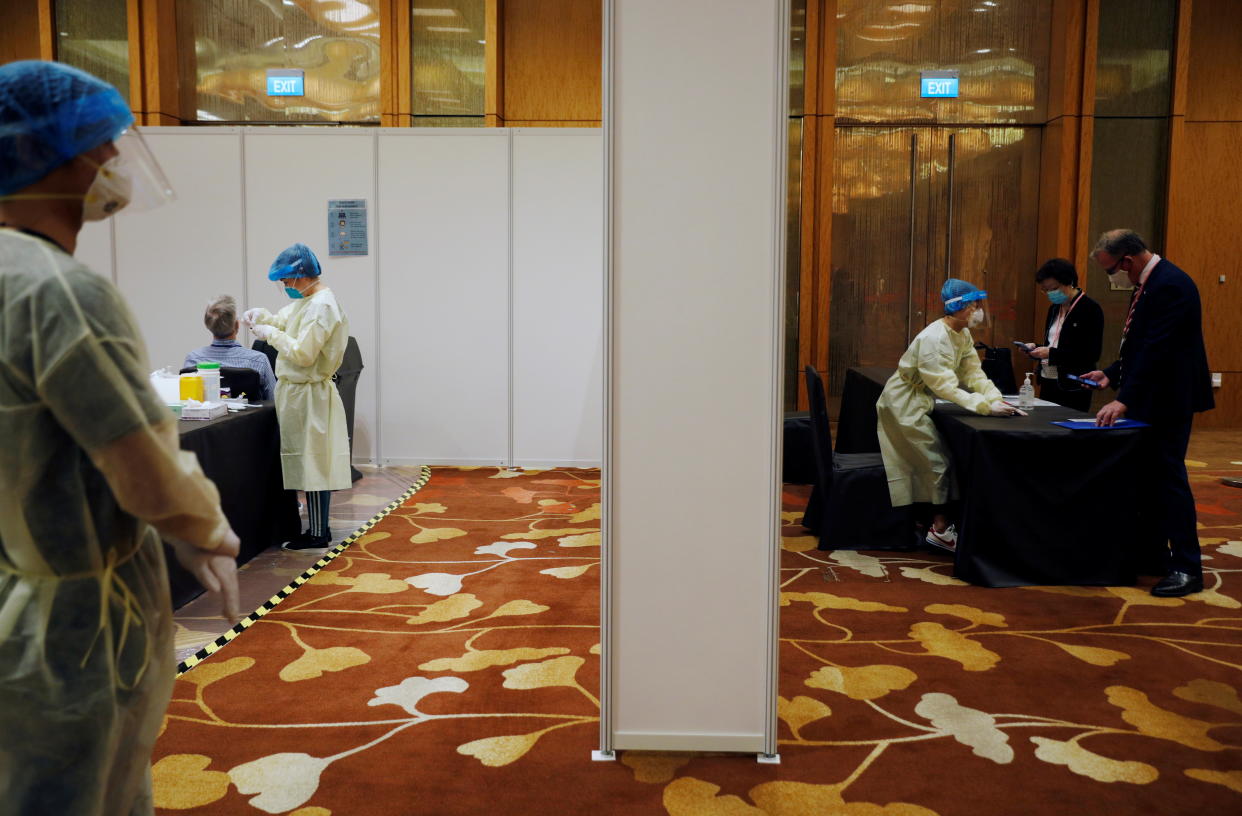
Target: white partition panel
[[172, 260], [691, 464], [291, 174], [444, 311], [557, 289], [95, 247]]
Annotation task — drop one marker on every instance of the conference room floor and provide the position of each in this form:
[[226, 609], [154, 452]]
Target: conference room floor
[[199, 622]]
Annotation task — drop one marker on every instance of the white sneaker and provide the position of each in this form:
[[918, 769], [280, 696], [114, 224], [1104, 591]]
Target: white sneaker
[[946, 540]]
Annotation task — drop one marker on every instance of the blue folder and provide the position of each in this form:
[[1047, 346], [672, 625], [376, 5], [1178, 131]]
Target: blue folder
[[1089, 424]]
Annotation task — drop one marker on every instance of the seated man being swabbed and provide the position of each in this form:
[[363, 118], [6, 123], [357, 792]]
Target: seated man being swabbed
[[940, 362]]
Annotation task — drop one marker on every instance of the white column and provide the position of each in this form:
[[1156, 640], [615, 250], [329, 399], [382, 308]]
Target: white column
[[695, 118]]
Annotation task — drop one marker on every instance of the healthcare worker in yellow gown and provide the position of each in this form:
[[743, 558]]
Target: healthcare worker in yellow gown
[[309, 335], [942, 363], [91, 475]]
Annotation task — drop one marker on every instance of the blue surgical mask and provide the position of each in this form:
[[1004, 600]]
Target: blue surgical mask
[[293, 293], [1057, 296]]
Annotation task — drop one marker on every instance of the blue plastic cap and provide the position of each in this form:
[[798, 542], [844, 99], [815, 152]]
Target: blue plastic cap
[[957, 293], [295, 262], [49, 114]]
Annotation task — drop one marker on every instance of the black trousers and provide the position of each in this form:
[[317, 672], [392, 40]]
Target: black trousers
[[1169, 499], [1077, 397]]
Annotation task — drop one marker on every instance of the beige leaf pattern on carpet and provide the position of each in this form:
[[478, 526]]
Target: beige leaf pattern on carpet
[[969, 726], [520, 607], [657, 768], [376, 583], [497, 751], [801, 710], [182, 781], [688, 796], [204, 674], [430, 534], [1094, 655], [866, 564], [589, 514], [1230, 779], [410, 691], [485, 659], [422, 508], [1154, 721], [314, 662], [282, 781], [535, 535], [584, 540], [929, 575], [799, 544], [566, 572], [1211, 693], [1142, 597], [506, 474], [970, 613], [941, 642], [1233, 548], [863, 682], [454, 607], [826, 600], [1213, 597], [806, 799], [1085, 763], [560, 671], [519, 494], [311, 811], [371, 538]]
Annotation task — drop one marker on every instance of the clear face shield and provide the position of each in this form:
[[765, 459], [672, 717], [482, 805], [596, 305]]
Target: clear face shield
[[132, 178]]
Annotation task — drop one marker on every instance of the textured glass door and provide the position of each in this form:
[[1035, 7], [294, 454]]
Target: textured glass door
[[914, 205]]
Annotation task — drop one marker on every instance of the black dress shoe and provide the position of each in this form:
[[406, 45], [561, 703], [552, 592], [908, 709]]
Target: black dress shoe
[[1176, 584]]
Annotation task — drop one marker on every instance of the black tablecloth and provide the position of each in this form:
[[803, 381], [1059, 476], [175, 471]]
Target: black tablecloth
[[1043, 504], [856, 431], [240, 453]]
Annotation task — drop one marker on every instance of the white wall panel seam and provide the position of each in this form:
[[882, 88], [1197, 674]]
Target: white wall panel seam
[[511, 293], [606, 740], [378, 432], [245, 238], [780, 143]]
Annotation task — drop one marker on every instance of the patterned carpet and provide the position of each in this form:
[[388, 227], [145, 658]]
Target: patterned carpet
[[446, 664]]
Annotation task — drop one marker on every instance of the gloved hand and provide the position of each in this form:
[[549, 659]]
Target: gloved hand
[[251, 315], [262, 331], [1002, 408], [216, 571]]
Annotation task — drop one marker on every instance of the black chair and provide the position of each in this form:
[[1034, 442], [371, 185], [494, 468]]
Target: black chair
[[997, 365], [347, 384], [238, 380], [849, 507]]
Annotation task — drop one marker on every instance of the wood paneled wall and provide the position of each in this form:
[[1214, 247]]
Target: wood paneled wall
[[548, 63], [1205, 180], [26, 32]]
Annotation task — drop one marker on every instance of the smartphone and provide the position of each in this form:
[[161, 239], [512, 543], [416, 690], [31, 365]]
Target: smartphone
[[1083, 380], [1022, 346]]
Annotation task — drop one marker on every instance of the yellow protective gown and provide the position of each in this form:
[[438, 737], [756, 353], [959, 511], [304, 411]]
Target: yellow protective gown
[[311, 334], [940, 363], [88, 456]]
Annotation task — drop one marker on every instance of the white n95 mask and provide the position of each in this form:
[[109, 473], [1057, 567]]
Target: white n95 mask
[[109, 193], [976, 319], [1120, 280]]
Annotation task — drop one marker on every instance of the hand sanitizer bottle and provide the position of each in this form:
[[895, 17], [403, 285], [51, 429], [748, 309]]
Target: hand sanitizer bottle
[[1026, 394]]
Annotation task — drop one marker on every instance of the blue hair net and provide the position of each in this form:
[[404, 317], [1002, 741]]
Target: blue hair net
[[295, 262], [50, 113], [957, 293]]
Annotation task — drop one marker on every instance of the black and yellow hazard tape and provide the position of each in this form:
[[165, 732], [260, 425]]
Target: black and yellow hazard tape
[[219, 643]]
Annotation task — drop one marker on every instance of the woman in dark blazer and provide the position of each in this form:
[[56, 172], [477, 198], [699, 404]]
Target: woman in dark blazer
[[1074, 332]]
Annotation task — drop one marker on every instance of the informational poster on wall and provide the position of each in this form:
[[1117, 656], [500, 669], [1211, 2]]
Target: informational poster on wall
[[347, 226]]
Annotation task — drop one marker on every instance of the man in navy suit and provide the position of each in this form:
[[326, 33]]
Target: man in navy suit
[[1162, 378]]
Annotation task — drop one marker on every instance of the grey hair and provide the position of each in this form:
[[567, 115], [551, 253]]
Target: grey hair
[[1119, 243], [221, 316]]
